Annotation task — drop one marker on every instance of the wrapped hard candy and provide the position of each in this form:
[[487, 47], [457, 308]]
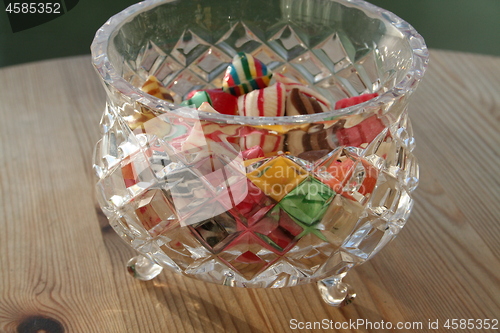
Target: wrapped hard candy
[[197, 99], [267, 102], [342, 169], [221, 101], [358, 130], [314, 141], [253, 152], [245, 74], [137, 120], [346, 102], [364, 132], [268, 142], [298, 103], [155, 88], [291, 84]]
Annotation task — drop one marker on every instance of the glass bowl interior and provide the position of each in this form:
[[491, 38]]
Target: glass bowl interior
[[339, 48]]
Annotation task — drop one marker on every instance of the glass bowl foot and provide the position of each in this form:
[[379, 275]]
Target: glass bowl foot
[[143, 268], [335, 292]]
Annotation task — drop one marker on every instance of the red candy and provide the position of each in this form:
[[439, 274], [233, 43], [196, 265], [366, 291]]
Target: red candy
[[346, 102], [221, 101]]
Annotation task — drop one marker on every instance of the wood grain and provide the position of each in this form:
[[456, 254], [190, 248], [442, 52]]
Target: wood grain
[[62, 267]]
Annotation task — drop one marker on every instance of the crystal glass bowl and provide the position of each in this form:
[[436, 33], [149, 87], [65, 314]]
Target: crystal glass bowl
[[251, 201]]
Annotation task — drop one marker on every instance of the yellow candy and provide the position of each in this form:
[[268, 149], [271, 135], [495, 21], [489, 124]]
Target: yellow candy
[[277, 177], [155, 88]]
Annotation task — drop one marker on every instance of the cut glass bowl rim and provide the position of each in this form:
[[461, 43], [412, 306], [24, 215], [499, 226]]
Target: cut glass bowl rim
[[101, 62]]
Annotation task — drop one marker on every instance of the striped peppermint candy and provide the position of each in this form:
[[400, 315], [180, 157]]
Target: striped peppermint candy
[[290, 84], [267, 102], [266, 141]]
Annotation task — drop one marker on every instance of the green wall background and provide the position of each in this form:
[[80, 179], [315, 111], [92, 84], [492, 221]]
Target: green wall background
[[462, 25]]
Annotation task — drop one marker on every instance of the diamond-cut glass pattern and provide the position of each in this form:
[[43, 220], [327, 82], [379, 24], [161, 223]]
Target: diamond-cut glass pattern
[[352, 81], [215, 172], [256, 163], [254, 204], [149, 126], [287, 43], [311, 67], [161, 158], [182, 247], [150, 56], [112, 190], [386, 197], [333, 53], [136, 173], [392, 152], [188, 190], [363, 178], [333, 87], [340, 219], [328, 60], [268, 57], [211, 66], [189, 142], [310, 253], [370, 237], [180, 189], [211, 269], [240, 38], [117, 141], [155, 212], [339, 263], [277, 229], [189, 47], [247, 256], [217, 231], [166, 69], [120, 226], [185, 82], [369, 64], [130, 224]]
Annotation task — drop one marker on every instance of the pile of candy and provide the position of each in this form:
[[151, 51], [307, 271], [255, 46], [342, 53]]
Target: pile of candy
[[250, 89]]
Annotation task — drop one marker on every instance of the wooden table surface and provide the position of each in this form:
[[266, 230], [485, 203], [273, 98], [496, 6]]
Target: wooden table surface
[[62, 269]]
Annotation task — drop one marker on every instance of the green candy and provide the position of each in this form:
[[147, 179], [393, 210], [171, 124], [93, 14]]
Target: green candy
[[198, 98], [308, 202]]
